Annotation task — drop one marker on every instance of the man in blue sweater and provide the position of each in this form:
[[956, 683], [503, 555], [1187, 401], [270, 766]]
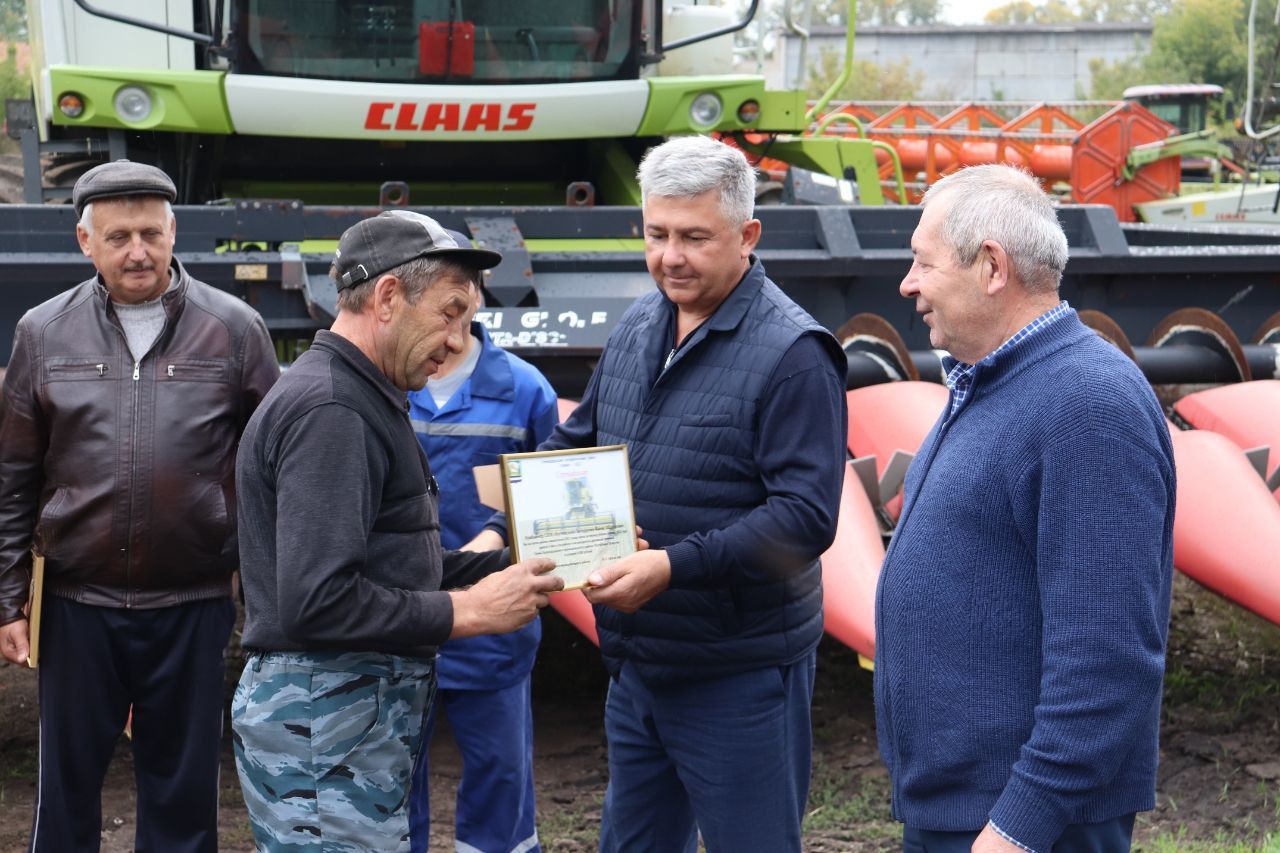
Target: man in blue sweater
[[730, 399], [1023, 608], [482, 402]]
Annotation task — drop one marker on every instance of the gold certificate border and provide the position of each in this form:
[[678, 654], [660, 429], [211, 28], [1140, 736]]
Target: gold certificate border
[[513, 536]]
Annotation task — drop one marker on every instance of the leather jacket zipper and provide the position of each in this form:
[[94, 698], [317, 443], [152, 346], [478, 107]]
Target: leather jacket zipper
[[133, 476], [193, 370], [101, 368], [130, 594]]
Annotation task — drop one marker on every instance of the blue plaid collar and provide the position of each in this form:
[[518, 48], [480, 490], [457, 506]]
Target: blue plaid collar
[[960, 376]]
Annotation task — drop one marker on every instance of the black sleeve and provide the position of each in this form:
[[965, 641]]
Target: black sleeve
[[800, 451], [322, 593], [24, 439], [463, 568]]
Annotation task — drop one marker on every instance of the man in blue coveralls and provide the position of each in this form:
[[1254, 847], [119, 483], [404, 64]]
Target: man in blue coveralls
[[483, 401]]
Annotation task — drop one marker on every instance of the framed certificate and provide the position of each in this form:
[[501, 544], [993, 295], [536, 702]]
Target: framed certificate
[[36, 605], [573, 506]]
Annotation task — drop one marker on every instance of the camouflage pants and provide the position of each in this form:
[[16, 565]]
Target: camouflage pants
[[325, 745]]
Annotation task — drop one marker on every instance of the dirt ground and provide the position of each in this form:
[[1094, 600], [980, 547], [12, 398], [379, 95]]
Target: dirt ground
[[1219, 784]]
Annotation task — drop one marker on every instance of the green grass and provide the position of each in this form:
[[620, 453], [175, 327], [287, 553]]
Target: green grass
[[574, 825], [20, 762], [838, 802], [1179, 843]]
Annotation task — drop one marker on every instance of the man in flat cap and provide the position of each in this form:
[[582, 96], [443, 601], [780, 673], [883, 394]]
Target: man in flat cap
[[123, 403], [341, 557]]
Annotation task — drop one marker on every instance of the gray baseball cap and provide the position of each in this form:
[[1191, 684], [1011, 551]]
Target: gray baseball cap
[[121, 178], [372, 246]]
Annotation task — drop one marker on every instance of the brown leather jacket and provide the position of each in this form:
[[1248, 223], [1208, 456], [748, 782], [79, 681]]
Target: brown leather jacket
[[123, 474]]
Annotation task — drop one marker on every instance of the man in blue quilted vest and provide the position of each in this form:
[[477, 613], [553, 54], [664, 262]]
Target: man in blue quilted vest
[[730, 399]]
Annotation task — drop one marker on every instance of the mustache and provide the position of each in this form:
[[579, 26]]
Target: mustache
[[139, 267]]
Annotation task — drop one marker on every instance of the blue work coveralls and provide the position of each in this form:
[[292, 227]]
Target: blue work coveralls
[[506, 406]]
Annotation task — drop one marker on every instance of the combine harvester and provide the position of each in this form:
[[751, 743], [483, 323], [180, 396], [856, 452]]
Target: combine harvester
[[283, 122]]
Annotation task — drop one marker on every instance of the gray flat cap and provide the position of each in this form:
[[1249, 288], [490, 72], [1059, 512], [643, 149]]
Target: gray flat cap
[[120, 178], [372, 246]]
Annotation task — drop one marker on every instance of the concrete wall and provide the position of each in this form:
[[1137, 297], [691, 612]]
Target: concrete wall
[[1022, 63]]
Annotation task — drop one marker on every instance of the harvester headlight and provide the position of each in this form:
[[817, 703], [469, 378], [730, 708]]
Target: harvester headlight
[[71, 105], [706, 109], [133, 103], [748, 111]]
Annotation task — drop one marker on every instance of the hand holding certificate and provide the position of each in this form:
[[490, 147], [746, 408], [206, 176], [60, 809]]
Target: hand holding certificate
[[573, 506]]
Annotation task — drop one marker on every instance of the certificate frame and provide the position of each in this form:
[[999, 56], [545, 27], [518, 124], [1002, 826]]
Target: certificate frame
[[574, 506], [35, 601]]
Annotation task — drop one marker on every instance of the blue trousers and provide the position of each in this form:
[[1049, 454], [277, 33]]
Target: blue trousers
[[169, 664], [725, 757], [1109, 836], [495, 807]]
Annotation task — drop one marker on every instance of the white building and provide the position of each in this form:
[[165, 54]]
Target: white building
[[1026, 62]]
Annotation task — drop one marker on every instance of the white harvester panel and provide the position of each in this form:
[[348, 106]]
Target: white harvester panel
[[714, 56], [289, 106], [97, 42]]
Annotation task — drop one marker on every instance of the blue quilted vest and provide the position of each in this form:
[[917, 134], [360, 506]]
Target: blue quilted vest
[[690, 430]]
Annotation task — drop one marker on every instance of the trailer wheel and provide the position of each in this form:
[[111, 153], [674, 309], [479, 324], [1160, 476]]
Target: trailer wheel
[[876, 338], [1269, 331], [1109, 330], [1202, 328]]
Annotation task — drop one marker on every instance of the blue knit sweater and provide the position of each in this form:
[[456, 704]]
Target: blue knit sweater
[[1023, 608]]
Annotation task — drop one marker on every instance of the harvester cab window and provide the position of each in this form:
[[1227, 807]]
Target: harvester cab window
[[440, 41], [1186, 114]]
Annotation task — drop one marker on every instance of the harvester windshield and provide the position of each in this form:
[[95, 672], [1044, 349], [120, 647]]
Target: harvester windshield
[[439, 41]]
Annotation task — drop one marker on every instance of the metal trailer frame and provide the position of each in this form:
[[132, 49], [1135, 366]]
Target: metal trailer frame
[[557, 307]]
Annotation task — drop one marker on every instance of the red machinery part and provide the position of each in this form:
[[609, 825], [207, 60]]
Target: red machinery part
[[850, 570], [1100, 152], [1248, 413], [451, 42], [1231, 546], [1045, 139], [892, 416]]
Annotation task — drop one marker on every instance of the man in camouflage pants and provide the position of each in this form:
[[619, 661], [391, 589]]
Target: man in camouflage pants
[[341, 557]]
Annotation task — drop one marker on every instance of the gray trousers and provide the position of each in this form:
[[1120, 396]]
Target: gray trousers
[[325, 744]]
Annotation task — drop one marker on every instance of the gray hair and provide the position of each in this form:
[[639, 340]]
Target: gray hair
[[689, 166], [416, 275], [1006, 205], [86, 215]]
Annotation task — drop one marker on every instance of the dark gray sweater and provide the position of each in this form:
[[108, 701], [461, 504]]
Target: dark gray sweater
[[339, 524]]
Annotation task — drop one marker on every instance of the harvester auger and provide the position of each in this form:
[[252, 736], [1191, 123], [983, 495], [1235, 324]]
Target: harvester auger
[[1116, 153], [283, 122]]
